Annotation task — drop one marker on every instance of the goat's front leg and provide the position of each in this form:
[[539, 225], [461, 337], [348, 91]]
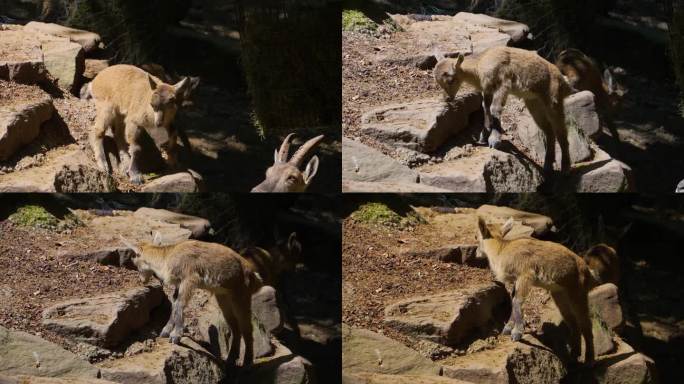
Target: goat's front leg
[[510, 323], [496, 107], [184, 294], [133, 139], [166, 331], [522, 288], [488, 120]]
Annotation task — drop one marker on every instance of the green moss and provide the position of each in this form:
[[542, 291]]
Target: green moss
[[379, 213], [353, 20], [35, 217]]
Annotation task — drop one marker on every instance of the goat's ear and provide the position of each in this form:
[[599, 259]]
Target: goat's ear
[[293, 244], [507, 226], [608, 79], [180, 86], [153, 84], [156, 238], [311, 169], [482, 227]]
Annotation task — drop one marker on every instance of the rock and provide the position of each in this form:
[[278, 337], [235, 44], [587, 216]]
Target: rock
[[166, 363], [449, 317], [20, 120], [65, 61], [680, 187], [282, 368], [581, 109], [361, 163], [177, 182], [117, 257], [90, 41], [22, 379], [265, 308], [366, 351], [625, 366], [605, 302], [20, 350], [541, 224], [71, 172], [212, 332], [420, 42], [21, 58], [198, 226], [421, 125], [381, 186], [603, 174], [527, 361], [104, 320], [93, 67], [485, 170], [531, 139], [518, 32], [455, 253], [376, 378], [484, 40]]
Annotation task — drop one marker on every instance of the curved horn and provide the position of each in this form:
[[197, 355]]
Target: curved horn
[[301, 153], [284, 149]]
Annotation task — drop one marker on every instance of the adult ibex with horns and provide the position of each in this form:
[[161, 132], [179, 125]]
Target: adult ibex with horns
[[284, 175], [213, 267]]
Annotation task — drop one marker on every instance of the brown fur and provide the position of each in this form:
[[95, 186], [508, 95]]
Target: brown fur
[[130, 100], [528, 262], [272, 262], [284, 175], [213, 267], [603, 263], [501, 71]]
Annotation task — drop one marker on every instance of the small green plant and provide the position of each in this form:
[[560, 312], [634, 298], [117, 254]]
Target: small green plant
[[34, 216], [356, 21], [379, 213]]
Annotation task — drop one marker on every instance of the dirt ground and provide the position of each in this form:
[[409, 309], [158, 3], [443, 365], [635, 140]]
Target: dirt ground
[[39, 273], [375, 273]]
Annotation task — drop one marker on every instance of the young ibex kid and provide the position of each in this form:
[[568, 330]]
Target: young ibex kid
[[273, 261], [528, 262], [501, 71], [213, 267], [130, 100], [284, 175], [583, 74]]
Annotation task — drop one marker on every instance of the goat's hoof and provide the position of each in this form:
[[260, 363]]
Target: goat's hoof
[[136, 179], [494, 139], [164, 334], [516, 335], [507, 329], [174, 340]]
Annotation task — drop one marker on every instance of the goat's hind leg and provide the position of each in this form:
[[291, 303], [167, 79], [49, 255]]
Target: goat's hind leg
[[562, 301], [522, 289], [225, 304], [510, 323], [103, 121], [184, 294], [166, 331]]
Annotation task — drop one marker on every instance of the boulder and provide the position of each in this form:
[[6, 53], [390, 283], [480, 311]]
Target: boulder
[[65, 61], [104, 320], [376, 378], [93, 67], [89, 41], [383, 186], [367, 351], [266, 310], [527, 361], [198, 226], [115, 256], [605, 302], [166, 363], [603, 174], [23, 109], [625, 366], [450, 317], [541, 224], [24, 354], [531, 140], [580, 111], [422, 125], [483, 40], [361, 163], [680, 187], [282, 368], [21, 57], [518, 32], [177, 182], [71, 172], [485, 170], [23, 379]]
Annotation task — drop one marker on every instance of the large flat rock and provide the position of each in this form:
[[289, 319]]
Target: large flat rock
[[484, 170], [541, 224], [181, 182], [603, 174], [518, 32], [65, 61], [21, 57], [367, 351], [449, 317], [23, 109], [384, 186], [198, 226], [283, 367], [166, 363], [361, 163], [104, 320], [422, 125], [24, 354], [71, 171], [89, 41], [527, 361]]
